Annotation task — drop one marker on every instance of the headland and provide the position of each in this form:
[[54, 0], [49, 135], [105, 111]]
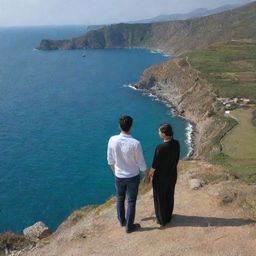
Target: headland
[[223, 207]]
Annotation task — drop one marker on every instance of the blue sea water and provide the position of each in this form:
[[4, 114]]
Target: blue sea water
[[57, 112]]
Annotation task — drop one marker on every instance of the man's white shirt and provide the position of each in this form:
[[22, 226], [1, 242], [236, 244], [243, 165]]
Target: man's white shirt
[[126, 154]]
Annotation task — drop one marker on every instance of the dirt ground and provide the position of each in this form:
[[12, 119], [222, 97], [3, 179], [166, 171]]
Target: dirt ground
[[199, 227]]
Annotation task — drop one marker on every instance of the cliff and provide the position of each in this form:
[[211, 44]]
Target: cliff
[[210, 221], [176, 82], [207, 221], [174, 37]]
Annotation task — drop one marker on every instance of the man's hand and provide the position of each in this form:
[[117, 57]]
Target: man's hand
[[147, 180], [146, 177], [112, 166]]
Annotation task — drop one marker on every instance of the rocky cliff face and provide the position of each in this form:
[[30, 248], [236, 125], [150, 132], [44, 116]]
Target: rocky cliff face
[[176, 82], [173, 37]]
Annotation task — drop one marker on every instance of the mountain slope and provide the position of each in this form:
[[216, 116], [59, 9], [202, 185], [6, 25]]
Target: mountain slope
[[173, 37], [200, 226], [200, 12]]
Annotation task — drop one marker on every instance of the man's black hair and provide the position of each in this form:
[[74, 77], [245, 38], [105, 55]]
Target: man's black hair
[[166, 129], [125, 123]]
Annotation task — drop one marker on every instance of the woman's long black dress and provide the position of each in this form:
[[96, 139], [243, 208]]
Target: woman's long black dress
[[165, 176]]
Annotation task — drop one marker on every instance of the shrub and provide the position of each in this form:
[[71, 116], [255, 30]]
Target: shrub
[[211, 113], [11, 241]]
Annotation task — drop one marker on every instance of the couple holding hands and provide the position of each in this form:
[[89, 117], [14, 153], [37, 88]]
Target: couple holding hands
[[125, 158]]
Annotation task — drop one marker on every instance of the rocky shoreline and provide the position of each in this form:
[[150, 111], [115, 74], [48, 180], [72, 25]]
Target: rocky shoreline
[[191, 98], [175, 112]]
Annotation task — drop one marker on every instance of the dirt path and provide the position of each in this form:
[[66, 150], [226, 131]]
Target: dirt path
[[199, 227]]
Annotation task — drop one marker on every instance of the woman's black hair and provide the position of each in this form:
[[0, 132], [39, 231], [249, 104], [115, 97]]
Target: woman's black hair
[[166, 129]]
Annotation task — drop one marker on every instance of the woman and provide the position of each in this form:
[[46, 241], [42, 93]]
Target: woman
[[164, 172]]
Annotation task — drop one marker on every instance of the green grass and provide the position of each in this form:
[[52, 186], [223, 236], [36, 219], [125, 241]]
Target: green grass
[[230, 68], [228, 124], [239, 151], [254, 117]]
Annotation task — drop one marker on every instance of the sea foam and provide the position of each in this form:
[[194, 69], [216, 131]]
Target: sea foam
[[188, 141]]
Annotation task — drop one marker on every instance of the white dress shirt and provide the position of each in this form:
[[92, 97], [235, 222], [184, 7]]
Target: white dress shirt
[[126, 154]]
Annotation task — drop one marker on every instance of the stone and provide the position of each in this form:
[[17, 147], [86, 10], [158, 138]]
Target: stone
[[36, 232], [195, 184]]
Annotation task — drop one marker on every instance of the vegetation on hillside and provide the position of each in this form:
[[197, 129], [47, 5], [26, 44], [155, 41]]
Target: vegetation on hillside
[[230, 68], [239, 151], [173, 37], [254, 117], [10, 241]]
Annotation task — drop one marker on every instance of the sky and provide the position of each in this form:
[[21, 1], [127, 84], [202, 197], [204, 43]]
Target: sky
[[95, 12]]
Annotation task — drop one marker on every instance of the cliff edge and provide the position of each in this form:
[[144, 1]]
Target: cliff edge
[[208, 220]]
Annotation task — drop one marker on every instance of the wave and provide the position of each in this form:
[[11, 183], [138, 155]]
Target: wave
[[131, 86], [189, 137], [154, 52], [160, 52], [189, 128]]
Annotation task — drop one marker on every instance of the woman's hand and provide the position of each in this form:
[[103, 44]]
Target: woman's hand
[[151, 172]]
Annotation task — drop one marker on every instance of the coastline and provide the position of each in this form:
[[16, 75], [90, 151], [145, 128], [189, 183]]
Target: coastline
[[191, 127], [192, 133]]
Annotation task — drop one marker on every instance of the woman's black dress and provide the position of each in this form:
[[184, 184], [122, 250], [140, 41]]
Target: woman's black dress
[[165, 162]]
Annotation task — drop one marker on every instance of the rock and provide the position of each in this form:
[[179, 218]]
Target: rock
[[196, 184], [36, 232]]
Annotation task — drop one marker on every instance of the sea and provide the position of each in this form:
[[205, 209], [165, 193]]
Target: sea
[[57, 112]]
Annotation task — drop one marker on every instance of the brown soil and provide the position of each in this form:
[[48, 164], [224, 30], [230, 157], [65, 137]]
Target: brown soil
[[242, 64], [200, 226]]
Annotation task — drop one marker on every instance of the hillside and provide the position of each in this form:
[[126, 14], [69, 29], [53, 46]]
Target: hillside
[[208, 221], [184, 16], [229, 67], [172, 37], [179, 84]]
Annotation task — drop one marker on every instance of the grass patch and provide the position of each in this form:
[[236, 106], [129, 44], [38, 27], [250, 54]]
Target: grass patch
[[11, 241], [227, 124], [110, 202], [254, 117], [75, 217], [79, 214], [239, 151], [230, 68]]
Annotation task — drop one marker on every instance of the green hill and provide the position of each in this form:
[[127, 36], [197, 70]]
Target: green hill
[[229, 67], [174, 37]]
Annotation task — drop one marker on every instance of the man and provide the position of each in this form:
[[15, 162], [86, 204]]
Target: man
[[125, 158]]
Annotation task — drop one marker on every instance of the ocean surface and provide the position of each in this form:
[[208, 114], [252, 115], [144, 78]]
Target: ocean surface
[[57, 112]]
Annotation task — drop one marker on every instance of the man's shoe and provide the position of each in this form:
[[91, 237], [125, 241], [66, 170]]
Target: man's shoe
[[123, 224], [135, 227]]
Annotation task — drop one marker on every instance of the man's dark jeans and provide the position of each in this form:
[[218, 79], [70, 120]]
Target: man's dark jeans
[[129, 185]]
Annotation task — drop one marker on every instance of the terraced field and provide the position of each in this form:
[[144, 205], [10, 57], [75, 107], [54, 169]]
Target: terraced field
[[230, 68]]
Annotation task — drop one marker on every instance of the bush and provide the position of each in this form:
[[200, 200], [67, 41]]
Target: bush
[[11, 241], [211, 113], [254, 118]]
